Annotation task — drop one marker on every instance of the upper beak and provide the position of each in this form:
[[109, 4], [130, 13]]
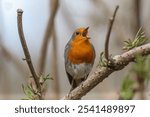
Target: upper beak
[[87, 28], [85, 32]]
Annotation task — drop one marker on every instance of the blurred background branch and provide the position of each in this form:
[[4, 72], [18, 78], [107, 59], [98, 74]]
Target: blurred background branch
[[54, 64], [11, 57], [49, 29]]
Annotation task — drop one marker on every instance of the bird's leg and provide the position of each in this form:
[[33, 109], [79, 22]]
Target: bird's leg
[[82, 80], [72, 85], [82, 85]]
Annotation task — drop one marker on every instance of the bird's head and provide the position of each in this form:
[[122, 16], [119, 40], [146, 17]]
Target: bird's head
[[81, 34]]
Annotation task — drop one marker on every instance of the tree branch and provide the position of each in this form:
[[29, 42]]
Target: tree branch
[[26, 51], [101, 73], [111, 21], [48, 32]]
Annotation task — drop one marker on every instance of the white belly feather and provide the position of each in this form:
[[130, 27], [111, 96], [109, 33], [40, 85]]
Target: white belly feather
[[78, 71]]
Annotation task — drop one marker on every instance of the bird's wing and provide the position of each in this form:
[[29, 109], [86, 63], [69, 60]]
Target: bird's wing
[[67, 47], [94, 53]]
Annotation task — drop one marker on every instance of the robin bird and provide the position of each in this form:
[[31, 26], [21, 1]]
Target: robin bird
[[79, 57]]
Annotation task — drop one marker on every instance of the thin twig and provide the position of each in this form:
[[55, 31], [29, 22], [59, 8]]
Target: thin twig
[[111, 21], [120, 61], [26, 51], [48, 32]]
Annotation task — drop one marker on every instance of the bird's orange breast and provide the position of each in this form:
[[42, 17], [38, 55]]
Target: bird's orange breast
[[80, 51]]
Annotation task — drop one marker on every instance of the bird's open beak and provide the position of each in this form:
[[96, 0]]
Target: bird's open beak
[[85, 32]]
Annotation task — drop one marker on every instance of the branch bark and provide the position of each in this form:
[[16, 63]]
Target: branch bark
[[101, 73], [26, 51], [111, 21]]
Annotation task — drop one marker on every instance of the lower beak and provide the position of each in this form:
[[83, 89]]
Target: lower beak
[[88, 37]]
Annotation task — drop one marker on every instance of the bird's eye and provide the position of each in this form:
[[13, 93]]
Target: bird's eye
[[84, 34], [77, 33]]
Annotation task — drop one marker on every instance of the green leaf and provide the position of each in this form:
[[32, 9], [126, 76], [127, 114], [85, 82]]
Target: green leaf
[[43, 79], [142, 67], [28, 91], [127, 89], [139, 39], [102, 61]]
